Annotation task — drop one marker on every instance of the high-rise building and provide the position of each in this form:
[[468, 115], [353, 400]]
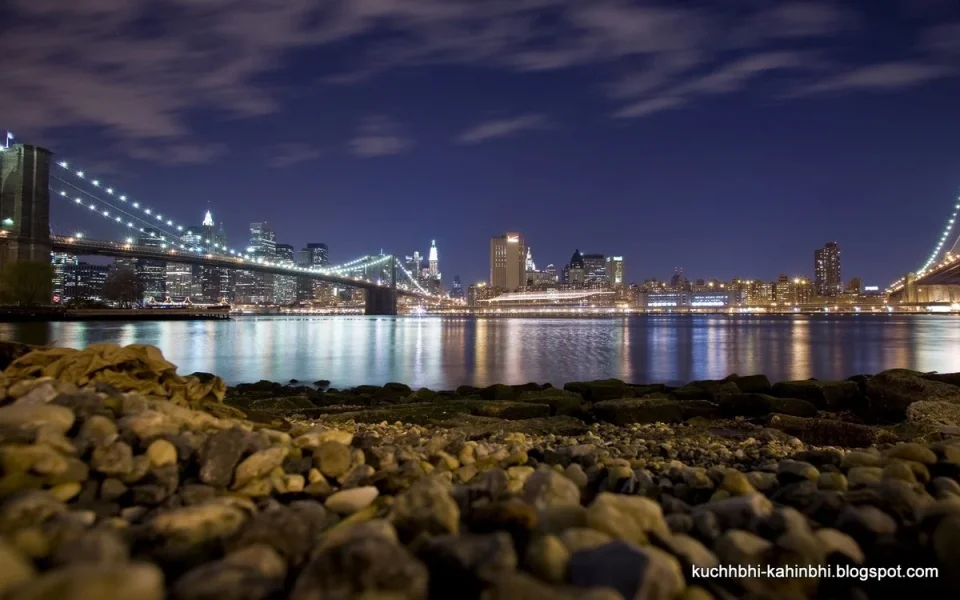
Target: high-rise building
[[152, 274], [531, 266], [679, 281], [434, 261], [179, 281], [285, 286], [313, 255], [83, 281], [615, 271], [456, 290], [594, 267], [60, 261], [508, 257], [576, 270], [826, 264], [263, 247]]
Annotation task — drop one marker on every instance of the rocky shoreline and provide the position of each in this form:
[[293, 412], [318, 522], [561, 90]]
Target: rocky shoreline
[[122, 479]]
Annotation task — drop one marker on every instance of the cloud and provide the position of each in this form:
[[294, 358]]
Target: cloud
[[884, 76], [175, 153], [286, 155], [379, 136], [141, 71], [500, 128], [943, 40], [648, 107]]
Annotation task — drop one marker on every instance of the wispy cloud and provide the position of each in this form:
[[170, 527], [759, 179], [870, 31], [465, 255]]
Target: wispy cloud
[[885, 76], [287, 155], [379, 136], [644, 108], [175, 153], [500, 128], [89, 64]]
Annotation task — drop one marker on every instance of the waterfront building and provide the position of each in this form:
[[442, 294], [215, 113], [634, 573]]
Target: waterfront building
[[507, 262], [313, 255], [152, 274], [615, 271], [60, 260], [826, 264], [84, 281], [785, 293], [530, 265], [480, 291], [695, 301], [759, 293], [540, 279], [550, 298]]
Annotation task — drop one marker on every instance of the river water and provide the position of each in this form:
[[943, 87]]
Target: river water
[[442, 353]]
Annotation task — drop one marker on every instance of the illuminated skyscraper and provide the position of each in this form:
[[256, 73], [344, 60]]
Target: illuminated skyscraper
[[531, 266], [152, 274], [615, 271], [826, 265], [508, 257], [434, 261]]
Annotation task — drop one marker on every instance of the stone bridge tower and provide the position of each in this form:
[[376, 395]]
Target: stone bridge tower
[[24, 204]]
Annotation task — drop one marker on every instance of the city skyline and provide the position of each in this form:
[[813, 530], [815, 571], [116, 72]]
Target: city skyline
[[732, 143]]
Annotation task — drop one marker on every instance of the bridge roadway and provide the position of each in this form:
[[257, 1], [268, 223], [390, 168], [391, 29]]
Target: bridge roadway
[[380, 299]]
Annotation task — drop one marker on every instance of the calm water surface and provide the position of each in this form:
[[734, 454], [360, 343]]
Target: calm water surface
[[442, 353]]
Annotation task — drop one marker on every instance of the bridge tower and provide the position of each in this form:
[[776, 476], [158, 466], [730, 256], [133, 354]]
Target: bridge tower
[[383, 301], [24, 204]]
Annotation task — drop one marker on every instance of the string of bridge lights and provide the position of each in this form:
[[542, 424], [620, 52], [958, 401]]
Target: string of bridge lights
[[338, 270], [948, 230]]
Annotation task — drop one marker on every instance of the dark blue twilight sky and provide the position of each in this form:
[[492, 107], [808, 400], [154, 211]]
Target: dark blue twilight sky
[[731, 138]]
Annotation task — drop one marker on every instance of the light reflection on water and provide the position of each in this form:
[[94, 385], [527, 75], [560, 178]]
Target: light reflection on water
[[443, 353]]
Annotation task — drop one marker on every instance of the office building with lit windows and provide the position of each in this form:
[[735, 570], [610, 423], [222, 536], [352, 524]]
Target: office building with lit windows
[[508, 258], [826, 264]]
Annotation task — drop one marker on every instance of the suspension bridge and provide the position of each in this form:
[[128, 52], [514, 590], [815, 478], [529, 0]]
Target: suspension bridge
[[937, 281], [31, 180]]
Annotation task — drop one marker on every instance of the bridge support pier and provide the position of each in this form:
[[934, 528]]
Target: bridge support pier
[[381, 301]]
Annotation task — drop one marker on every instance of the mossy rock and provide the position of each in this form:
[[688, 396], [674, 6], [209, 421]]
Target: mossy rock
[[468, 390], [751, 384], [561, 402], [499, 391], [424, 395], [601, 389], [705, 390], [825, 395], [638, 410]]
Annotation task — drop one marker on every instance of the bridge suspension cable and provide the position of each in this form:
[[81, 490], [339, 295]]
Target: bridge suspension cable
[[948, 230]]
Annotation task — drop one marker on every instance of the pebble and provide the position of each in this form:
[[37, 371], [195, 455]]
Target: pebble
[[346, 502]]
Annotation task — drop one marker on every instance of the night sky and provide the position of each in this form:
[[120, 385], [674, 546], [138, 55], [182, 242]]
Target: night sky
[[730, 138]]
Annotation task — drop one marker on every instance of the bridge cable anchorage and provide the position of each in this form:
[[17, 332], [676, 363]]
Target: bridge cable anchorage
[[948, 230], [160, 224]]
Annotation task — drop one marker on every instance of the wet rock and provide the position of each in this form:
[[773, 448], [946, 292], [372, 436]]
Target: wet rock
[[643, 573], [890, 393], [639, 410], [601, 389], [751, 384], [825, 395], [498, 392], [254, 573], [831, 433], [561, 402], [28, 508]]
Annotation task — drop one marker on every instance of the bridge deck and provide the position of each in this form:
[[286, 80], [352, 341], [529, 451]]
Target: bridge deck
[[81, 246]]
